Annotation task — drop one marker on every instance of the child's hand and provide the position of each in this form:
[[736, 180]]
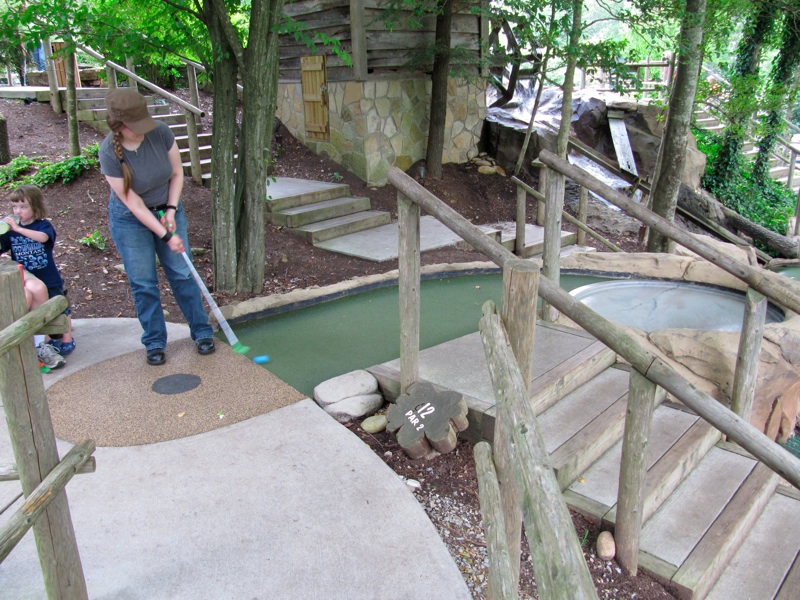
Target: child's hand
[[12, 223]]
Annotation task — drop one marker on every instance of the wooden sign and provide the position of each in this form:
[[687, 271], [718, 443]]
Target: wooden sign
[[424, 420]]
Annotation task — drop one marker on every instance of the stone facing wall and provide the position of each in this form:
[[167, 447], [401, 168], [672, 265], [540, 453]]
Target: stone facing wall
[[375, 125]]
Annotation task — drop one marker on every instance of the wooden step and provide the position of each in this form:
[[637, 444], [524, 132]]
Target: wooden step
[[585, 423], [766, 565], [87, 92], [319, 211], [203, 139], [161, 111], [286, 192], [100, 102], [339, 226], [702, 568], [582, 366], [595, 492], [204, 152]]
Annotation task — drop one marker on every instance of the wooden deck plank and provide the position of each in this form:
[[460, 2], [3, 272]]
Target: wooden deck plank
[[772, 544], [708, 559]]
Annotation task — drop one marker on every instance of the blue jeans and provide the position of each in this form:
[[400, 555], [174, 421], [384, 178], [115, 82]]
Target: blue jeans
[[138, 247]]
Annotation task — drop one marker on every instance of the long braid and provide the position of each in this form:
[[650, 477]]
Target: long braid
[[126, 170]]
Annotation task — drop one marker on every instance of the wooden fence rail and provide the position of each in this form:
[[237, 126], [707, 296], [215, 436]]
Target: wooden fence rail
[[33, 441], [638, 352]]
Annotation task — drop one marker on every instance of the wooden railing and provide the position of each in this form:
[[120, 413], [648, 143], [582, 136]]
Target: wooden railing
[[38, 468], [191, 109], [643, 71], [649, 371]]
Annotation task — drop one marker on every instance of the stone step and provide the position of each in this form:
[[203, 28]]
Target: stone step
[[287, 192], [319, 211], [339, 226]]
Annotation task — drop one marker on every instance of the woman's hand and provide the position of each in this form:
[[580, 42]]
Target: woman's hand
[[175, 244], [168, 220]]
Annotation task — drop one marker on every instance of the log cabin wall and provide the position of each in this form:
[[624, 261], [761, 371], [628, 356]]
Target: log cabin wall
[[379, 107]]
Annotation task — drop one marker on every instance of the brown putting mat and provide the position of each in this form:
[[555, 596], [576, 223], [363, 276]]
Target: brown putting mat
[[123, 401]]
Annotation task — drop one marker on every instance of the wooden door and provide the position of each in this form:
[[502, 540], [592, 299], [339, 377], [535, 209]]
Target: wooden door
[[315, 96], [61, 67]]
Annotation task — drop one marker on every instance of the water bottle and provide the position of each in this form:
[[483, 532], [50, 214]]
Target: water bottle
[[5, 227]]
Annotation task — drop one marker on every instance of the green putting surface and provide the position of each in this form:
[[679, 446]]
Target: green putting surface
[[310, 345]]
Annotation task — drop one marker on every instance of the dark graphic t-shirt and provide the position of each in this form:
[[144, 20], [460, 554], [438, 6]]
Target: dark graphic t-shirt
[[37, 258]]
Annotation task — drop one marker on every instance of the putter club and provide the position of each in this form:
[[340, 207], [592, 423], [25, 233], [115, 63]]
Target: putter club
[[237, 346]]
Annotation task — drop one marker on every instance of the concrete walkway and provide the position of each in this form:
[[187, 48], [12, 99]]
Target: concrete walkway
[[288, 504]]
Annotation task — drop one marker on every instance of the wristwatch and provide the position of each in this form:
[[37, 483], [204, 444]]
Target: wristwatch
[[166, 237]]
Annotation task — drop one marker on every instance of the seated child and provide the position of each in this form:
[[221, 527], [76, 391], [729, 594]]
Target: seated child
[[31, 242]]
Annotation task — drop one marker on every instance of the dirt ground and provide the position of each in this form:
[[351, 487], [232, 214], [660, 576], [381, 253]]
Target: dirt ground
[[97, 289]]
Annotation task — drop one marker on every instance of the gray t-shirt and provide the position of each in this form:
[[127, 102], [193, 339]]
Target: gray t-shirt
[[149, 163]]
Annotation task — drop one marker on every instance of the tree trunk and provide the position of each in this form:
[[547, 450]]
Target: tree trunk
[[705, 205], [260, 81], [5, 149], [743, 98], [780, 96], [72, 105], [224, 215], [676, 134], [441, 70]]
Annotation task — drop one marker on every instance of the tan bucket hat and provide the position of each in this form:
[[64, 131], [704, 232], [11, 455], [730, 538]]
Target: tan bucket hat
[[129, 107]]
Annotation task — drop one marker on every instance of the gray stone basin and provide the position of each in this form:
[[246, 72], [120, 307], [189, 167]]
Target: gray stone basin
[[651, 305]]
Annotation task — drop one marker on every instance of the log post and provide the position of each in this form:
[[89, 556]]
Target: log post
[[408, 284], [520, 293], [744, 379], [583, 202], [111, 78], [129, 64], [640, 353], [502, 584], [519, 244], [552, 238], [194, 147], [358, 35], [52, 78], [782, 290], [5, 148], [541, 186], [558, 562], [633, 470], [34, 444]]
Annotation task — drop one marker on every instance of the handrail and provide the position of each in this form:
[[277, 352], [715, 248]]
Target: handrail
[[152, 86], [642, 355]]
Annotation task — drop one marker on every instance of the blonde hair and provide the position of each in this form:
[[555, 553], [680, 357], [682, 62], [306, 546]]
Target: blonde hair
[[116, 128], [33, 196]]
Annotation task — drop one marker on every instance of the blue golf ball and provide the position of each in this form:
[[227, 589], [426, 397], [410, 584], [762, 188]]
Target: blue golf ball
[[260, 360]]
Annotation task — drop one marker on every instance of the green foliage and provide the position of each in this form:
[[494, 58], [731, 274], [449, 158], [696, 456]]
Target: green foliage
[[19, 165], [769, 204], [94, 240], [18, 170]]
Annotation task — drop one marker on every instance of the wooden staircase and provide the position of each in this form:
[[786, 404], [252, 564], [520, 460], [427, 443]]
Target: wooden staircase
[[779, 169], [709, 507], [92, 111], [716, 523]]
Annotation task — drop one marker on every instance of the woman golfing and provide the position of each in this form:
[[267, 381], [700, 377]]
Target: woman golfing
[[142, 165]]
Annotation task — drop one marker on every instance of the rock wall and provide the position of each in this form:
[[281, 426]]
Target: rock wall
[[375, 125]]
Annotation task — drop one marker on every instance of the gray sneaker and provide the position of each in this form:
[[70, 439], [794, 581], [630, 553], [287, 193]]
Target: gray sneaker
[[49, 356]]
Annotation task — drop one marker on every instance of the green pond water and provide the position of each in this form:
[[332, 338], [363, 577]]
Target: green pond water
[[312, 344], [793, 272]]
